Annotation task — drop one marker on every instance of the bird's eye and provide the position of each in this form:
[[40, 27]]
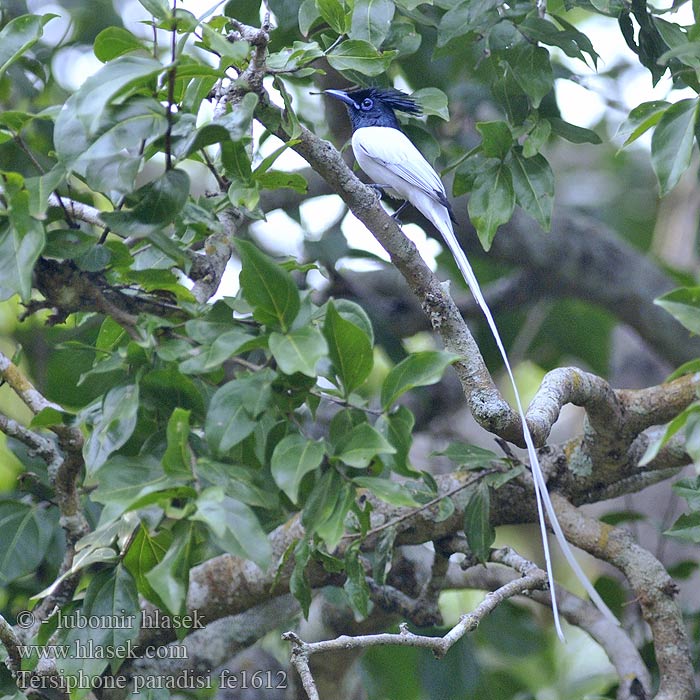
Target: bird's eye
[[367, 104]]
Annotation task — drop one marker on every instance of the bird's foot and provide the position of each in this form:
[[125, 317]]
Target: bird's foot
[[378, 190], [395, 215]]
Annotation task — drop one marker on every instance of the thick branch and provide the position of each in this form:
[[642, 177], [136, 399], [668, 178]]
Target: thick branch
[[654, 590]]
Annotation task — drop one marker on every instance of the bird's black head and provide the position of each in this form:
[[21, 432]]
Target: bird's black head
[[375, 106]]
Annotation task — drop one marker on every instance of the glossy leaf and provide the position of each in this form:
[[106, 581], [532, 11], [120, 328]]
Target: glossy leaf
[[477, 523], [333, 12], [418, 369], [268, 288], [349, 348], [299, 350], [234, 526], [360, 56], [234, 409], [358, 447], [468, 456], [397, 428], [201, 360], [533, 183], [433, 102], [21, 240], [115, 41], [532, 70], [492, 202], [672, 143], [158, 204], [110, 595], [19, 35], [496, 138], [114, 426], [371, 21], [292, 459], [28, 531], [573, 133], [178, 458], [684, 305], [642, 118], [390, 491], [144, 553], [170, 577]]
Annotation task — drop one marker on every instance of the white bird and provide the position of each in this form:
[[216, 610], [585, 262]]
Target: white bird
[[392, 162]]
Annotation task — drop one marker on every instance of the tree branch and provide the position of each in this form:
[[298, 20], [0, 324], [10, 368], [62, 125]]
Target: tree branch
[[654, 590]]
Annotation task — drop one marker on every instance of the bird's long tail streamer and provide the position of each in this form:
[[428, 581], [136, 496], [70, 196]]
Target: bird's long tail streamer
[[544, 502]]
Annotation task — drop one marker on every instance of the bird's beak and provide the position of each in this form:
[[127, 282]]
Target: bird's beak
[[342, 96]]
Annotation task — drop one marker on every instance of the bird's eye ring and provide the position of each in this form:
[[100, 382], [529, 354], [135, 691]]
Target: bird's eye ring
[[367, 103]]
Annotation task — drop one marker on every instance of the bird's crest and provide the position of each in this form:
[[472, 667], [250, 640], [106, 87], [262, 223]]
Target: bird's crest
[[396, 99]]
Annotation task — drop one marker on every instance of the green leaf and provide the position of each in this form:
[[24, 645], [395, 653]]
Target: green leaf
[[687, 527], [280, 179], [28, 532], [144, 553], [299, 350], [532, 69], [541, 29], [397, 428], [234, 526], [108, 156], [238, 122], [299, 585], [124, 481], [492, 202], [292, 459], [115, 41], [360, 56], [234, 409], [672, 428], [19, 35], [536, 138], [170, 577], [308, 14], [332, 529], [433, 102], [21, 240], [177, 460], [575, 134], [114, 426], [110, 595], [640, 120], [371, 21], [349, 348], [158, 204], [684, 305], [360, 446], [333, 13], [496, 138], [469, 456], [116, 78], [201, 360], [390, 491], [157, 8], [418, 369], [355, 585], [268, 288], [321, 501], [689, 489], [462, 18], [477, 523], [533, 183], [672, 143]]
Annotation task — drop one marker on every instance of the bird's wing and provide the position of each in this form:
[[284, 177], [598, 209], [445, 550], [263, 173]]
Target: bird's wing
[[394, 150]]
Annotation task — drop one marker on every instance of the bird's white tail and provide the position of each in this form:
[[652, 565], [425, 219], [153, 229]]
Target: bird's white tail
[[544, 503]]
